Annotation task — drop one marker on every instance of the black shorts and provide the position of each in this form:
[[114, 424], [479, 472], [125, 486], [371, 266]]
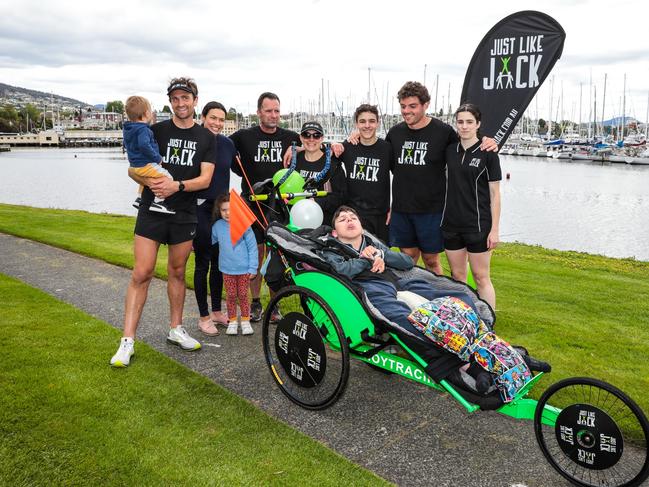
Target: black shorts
[[164, 228], [474, 242], [375, 224]]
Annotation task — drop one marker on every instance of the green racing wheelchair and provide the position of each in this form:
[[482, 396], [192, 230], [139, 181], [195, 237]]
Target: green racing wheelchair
[[589, 431]]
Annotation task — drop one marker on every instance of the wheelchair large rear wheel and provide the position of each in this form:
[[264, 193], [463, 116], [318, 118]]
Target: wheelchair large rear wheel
[[306, 350], [599, 437]]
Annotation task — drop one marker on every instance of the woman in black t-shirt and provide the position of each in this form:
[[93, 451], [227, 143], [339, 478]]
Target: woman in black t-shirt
[[471, 217], [311, 163]]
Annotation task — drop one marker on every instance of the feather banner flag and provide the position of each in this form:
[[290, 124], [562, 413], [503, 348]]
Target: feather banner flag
[[508, 67], [241, 217]]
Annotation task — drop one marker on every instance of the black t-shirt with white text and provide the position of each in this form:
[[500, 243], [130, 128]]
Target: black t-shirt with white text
[[334, 182], [368, 176], [261, 153], [182, 151], [468, 200], [418, 164]]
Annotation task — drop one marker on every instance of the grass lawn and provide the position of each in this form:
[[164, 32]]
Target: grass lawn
[[66, 418], [587, 315]]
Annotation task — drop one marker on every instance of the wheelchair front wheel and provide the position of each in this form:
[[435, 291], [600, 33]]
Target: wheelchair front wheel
[[306, 350], [599, 437]]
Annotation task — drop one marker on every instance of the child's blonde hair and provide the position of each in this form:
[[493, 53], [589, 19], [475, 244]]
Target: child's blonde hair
[[137, 107]]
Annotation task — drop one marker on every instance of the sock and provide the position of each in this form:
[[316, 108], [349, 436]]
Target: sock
[[128, 339]]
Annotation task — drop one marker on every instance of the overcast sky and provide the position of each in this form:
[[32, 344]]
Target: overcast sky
[[98, 52]]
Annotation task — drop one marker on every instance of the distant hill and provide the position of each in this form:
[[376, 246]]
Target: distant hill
[[17, 96]]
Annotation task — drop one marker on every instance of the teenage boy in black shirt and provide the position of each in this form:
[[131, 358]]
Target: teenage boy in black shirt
[[367, 166], [261, 150], [187, 152], [418, 185]]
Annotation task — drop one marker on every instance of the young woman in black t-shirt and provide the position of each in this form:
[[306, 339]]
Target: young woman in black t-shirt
[[471, 218]]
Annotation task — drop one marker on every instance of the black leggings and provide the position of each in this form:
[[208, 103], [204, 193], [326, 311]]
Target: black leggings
[[206, 259]]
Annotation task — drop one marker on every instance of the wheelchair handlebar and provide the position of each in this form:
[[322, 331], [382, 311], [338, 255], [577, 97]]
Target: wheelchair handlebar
[[288, 196]]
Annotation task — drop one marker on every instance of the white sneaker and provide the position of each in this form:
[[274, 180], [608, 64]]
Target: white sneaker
[[246, 328], [233, 329], [179, 336], [124, 353], [161, 208]]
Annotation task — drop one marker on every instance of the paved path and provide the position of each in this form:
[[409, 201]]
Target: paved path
[[403, 431]]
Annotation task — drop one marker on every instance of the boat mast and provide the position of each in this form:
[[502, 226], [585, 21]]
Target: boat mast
[[590, 104], [369, 71], [623, 107], [436, 88], [646, 119], [604, 100], [580, 93], [595, 108], [550, 117]]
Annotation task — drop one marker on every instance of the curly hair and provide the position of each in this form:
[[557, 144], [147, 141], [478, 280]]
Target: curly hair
[[414, 88]]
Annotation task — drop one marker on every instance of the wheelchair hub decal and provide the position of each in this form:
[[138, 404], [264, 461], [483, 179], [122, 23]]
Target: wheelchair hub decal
[[300, 349], [589, 436]]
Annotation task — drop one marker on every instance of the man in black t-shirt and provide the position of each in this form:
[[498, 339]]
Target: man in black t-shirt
[[261, 150], [367, 166], [187, 152]]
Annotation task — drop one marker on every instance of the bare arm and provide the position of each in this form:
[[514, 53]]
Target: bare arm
[[494, 235], [163, 187]]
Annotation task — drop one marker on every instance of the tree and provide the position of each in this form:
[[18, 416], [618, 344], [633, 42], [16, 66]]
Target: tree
[[115, 106], [543, 127], [232, 114], [166, 109]]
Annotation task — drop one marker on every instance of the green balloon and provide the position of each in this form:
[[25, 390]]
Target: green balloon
[[293, 184]]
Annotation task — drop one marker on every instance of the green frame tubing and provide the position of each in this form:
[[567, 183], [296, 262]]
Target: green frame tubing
[[354, 321]]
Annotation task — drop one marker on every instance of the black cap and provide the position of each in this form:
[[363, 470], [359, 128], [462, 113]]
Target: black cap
[[180, 86], [314, 126]]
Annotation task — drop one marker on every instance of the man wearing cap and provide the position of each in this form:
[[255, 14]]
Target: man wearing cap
[[187, 152], [311, 164], [261, 149]]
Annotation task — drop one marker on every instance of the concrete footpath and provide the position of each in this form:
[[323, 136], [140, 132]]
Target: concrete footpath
[[403, 431]]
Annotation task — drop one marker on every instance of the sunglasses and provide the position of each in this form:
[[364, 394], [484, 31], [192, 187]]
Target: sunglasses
[[311, 135]]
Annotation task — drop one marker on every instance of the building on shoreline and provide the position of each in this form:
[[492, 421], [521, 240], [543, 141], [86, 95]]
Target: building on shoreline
[[46, 138]]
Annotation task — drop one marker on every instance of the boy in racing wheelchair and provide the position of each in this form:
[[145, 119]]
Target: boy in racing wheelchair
[[449, 318]]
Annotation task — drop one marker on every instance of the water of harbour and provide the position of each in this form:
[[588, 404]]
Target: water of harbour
[[584, 206]]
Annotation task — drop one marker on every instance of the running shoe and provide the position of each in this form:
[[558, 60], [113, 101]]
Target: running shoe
[[256, 311], [246, 328], [276, 315], [124, 353], [233, 329], [179, 336], [161, 208]]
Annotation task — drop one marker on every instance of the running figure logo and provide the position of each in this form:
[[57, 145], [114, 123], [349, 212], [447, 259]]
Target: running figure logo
[[413, 153], [269, 151], [506, 74]]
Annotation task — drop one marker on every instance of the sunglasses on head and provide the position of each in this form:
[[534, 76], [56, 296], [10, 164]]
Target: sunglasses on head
[[312, 135]]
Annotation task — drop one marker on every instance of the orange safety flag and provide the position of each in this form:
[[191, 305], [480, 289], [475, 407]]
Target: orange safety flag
[[241, 217]]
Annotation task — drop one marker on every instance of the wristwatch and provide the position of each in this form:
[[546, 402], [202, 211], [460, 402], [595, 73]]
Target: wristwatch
[[181, 186]]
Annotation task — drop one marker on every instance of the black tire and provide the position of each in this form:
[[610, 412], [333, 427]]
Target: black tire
[[599, 437], [311, 366]]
